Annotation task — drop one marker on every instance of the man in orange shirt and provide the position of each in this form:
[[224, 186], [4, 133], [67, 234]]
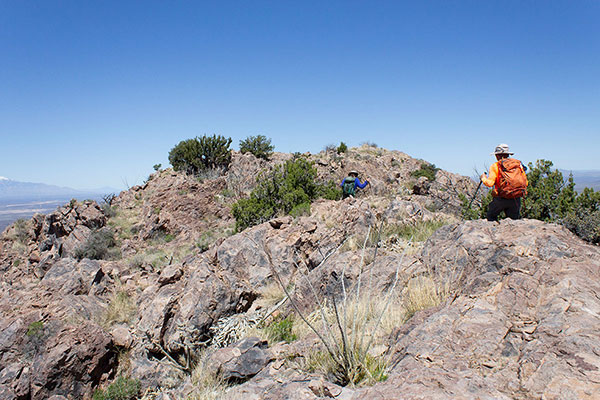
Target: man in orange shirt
[[507, 175]]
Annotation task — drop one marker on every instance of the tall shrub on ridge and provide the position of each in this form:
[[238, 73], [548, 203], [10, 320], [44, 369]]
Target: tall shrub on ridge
[[259, 145], [201, 153]]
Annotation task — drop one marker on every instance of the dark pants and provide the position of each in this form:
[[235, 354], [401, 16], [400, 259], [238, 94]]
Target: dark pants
[[511, 207]]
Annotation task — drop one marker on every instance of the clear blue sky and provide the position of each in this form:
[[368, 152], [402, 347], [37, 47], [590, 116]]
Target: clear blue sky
[[93, 93]]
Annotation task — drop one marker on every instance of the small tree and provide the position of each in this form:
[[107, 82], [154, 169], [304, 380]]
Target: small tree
[[201, 153], [548, 196], [259, 145], [342, 148]]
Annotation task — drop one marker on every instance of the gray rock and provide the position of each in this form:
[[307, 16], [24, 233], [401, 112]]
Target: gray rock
[[241, 361]]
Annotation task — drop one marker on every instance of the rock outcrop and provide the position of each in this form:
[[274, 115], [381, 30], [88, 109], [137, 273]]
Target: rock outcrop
[[518, 316]]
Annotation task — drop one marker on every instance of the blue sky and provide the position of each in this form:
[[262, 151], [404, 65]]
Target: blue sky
[[95, 93]]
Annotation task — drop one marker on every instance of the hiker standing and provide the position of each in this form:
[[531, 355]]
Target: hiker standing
[[350, 183], [507, 175]]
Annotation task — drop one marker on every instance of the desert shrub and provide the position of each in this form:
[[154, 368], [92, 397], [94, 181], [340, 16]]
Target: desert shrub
[[108, 210], [330, 191], [279, 190], [201, 153], [157, 167], [21, 231], [342, 148], [259, 145], [300, 210], [549, 197], [281, 330], [584, 224], [473, 211], [370, 144], [35, 328], [101, 245], [427, 170], [121, 389]]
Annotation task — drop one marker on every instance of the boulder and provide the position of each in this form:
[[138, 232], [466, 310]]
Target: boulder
[[241, 361]]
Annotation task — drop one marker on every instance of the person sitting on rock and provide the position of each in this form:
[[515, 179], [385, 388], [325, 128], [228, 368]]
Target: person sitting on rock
[[350, 183], [508, 177]]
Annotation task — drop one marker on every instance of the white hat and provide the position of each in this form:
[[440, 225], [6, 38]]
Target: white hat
[[502, 148]]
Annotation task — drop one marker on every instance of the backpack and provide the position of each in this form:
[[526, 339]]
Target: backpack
[[349, 188], [512, 181]]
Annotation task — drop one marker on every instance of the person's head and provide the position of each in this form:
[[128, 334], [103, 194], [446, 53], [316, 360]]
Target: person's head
[[353, 173], [502, 151]]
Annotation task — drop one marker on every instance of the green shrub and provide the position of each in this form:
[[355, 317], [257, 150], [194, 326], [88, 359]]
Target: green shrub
[[584, 224], [259, 145], [549, 197], [280, 190], [330, 191], [35, 328], [121, 389], [201, 153], [157, 167], [300, 210], [474, 211], [101, 245], [427, 170], [342, 148], [281, 330]]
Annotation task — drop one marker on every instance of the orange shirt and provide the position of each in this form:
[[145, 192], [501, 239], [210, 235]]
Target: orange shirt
[[492, 176]]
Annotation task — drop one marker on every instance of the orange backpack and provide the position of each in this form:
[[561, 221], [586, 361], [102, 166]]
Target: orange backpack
[[512, 181]]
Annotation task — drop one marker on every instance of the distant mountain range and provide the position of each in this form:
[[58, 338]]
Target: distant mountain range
[[584, 178], [23, 199], [15, 190]]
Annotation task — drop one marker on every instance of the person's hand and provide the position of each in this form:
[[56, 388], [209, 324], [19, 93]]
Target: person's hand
[[483, 176]]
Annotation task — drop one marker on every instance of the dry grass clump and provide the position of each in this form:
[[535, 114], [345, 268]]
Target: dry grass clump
[[421, 293], [121, 309], [208, 384], [123, 221], [416, 231], [348, 338]]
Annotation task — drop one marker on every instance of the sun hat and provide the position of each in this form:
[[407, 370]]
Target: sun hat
[[353, 172], [502, 148]]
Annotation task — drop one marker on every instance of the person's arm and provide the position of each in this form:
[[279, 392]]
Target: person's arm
[[361, 185], [342, 184], [491, 179]]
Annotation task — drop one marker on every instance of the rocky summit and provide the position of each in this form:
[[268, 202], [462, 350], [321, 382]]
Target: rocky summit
[[388, 295]]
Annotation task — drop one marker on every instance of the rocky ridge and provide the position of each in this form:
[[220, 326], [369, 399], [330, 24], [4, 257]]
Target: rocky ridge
[[516, 321]]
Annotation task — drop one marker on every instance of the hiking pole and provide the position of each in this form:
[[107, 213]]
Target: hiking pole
[[475, 195]]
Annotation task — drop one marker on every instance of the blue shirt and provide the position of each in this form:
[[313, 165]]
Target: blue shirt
[[356, 183]]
